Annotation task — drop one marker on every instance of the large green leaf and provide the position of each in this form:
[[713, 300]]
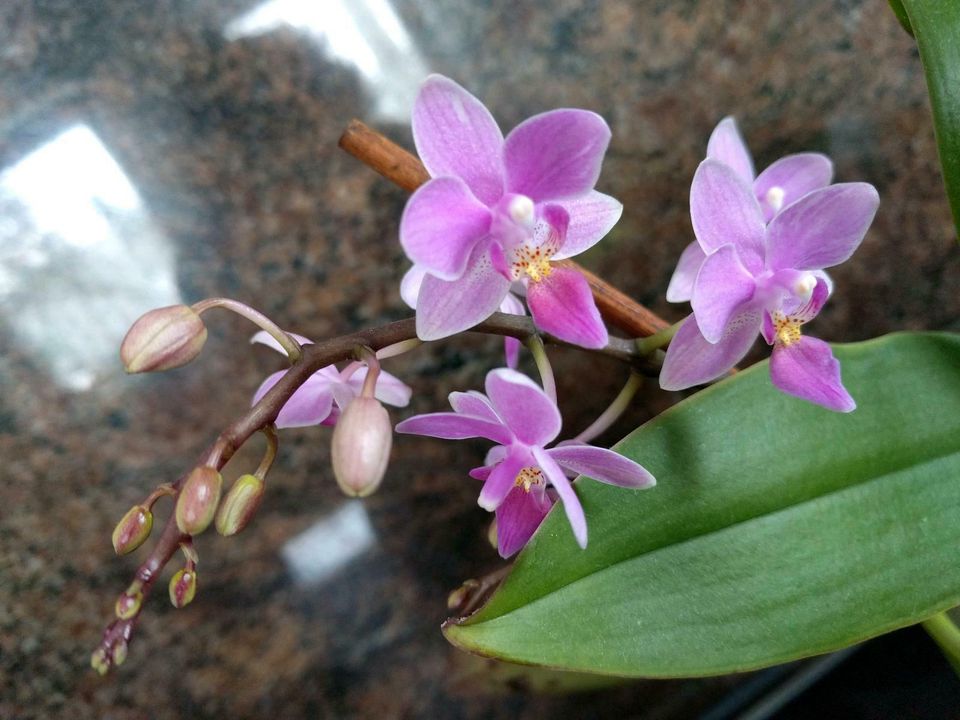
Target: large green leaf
[[936, 26], [777, 529]]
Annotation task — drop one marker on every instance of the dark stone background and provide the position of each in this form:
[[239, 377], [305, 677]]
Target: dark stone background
[[229, 136]]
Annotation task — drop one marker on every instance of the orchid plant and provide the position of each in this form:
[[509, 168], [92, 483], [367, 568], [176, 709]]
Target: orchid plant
[[694, 572]]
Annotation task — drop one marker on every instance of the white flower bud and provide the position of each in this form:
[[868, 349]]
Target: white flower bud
[[361, 446]]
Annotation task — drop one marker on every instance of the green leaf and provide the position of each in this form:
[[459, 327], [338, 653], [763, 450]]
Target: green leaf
[[936, 26], [777, 529]]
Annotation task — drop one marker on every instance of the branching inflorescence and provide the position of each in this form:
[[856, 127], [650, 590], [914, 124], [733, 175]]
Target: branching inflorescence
[[490, 227]]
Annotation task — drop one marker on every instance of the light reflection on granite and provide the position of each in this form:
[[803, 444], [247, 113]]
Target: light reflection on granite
[[227, 137]]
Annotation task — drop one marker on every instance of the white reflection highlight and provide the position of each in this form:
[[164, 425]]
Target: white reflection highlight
[[79, 257], [367, 34], [326, 546]]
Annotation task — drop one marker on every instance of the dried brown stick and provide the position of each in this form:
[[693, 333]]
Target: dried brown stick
[[405, 170]]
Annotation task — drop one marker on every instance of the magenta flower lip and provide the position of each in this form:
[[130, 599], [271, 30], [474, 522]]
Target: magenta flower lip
[[500, 210], [518, 415]]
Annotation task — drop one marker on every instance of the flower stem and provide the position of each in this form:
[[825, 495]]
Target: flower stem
[[535, 344], [369, 358], [658, 340], [116, 638], [609, 416], [270, 433], [290, 346], [947, 635]]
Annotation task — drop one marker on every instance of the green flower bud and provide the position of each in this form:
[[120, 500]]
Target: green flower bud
[[183, 586], [240, 505], [361, 446], [128, 604], [163, 339], [132, 530], [120, 652], [99, 661], [198, 500]]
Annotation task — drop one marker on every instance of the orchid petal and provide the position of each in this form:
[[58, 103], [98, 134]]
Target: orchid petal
[[571, 503], [473, 404], [441, 225], [723, 285], [518, 517], [531, 416], [691, 360], [727, 145], [604, 465], [343, 393], [309, 405], [502, 479], [410, 285], [262, 337], [680, 288], [556, 154], [724, 211], [451, 426], [481, 473], [592, 216], [456, 135], [791, 178], [823, 228], [562, 304], [445, 308], [808, 370]]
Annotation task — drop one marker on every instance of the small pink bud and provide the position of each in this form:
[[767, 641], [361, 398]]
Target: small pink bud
[[183, 586], [198, 500], [163, 339], [361, 446], [240, 505], [132, 530], [128, 604]]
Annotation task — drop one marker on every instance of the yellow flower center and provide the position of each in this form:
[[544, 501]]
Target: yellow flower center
[[786, 329], [528, 477], [534, 262]]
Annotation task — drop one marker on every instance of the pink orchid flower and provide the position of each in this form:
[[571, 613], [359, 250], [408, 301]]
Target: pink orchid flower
[[518, 415], [759, 276], [320, 400], [500, 210], [782, 183]]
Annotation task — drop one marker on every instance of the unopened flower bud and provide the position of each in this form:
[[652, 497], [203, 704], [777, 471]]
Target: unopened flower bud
[[132, 530], [128, 604], [183, 586], [198, 500], [120, 652], [99, 661], [163, 339], [240, 504], [361, 446]]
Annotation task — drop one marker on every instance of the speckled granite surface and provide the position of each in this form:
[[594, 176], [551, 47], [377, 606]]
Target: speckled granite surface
[[157, 151]]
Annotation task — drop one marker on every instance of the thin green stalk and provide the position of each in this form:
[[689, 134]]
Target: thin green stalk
[[947, 635], [609, 416], [658, 340], [535, 344]]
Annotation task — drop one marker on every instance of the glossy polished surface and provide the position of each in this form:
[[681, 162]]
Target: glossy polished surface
[[153, 153]]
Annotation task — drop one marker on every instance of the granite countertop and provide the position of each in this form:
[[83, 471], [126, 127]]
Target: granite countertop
[[158, 152]]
